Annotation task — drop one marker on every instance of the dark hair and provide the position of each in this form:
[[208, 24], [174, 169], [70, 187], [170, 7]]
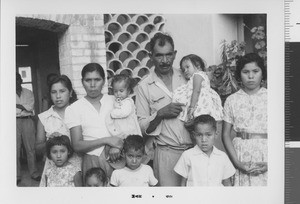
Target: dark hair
[[66, 82], [162, 39], [129, 81], [59, 140], [248, 58], [205, 119], [90, 67], [50, 77], [135, 142], [195, 60], [98, 172]]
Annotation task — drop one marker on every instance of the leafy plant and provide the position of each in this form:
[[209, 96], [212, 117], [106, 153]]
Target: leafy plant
[[222, 79], [222, 75]]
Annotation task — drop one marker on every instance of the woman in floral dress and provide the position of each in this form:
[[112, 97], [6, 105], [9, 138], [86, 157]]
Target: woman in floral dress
[[246, 113]]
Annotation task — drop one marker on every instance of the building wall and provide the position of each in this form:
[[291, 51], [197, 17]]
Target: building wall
[[201, 34], [81, 38], [80, 41]]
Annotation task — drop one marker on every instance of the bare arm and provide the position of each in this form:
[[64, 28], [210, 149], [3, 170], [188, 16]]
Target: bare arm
[[78, 179], [197, 81], [84, 146], [226, 132], [230, 148], [40, 144]]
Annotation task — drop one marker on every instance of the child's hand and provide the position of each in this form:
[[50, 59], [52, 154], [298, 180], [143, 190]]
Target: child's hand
[[190, 112], [114, 154]]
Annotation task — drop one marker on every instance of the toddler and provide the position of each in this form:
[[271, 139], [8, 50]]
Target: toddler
[[197, 94], [96, 177], [122, 120], [204, 165], [63, 173], [134, 173]]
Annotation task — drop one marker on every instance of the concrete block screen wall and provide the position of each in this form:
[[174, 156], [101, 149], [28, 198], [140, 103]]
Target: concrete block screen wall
[[127, 38]]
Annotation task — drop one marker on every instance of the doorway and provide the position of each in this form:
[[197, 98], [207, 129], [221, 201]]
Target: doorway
[[36, 57]]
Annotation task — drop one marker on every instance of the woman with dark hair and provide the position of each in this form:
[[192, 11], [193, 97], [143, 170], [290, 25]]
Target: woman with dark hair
[[46, 100], [246, 113], [86, 120], [51, 122]]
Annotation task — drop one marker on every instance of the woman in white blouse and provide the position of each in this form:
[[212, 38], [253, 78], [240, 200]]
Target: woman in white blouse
[[51, 122], [86, 120]]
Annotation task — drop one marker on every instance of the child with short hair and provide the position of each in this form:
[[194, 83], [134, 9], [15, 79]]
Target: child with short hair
[[63, 173], [134, 173], [96, 177], [122, 120], [204, 165], [197, 95]]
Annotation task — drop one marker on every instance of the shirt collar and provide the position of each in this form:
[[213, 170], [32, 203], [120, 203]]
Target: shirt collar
[[52, 113], [262, 90], [153, 76], [215, 151]]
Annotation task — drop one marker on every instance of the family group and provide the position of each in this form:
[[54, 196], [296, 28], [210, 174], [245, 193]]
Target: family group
[[160, 131]]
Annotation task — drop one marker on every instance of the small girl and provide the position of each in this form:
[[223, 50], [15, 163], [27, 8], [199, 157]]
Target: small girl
[[63, 173], [96, 177], [197, 94], [134, 173], [122, 120]]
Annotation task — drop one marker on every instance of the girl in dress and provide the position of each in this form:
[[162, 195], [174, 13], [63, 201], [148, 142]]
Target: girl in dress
[[51, 123], [122, 120], [196, 94], [246, 113], [63, 173]]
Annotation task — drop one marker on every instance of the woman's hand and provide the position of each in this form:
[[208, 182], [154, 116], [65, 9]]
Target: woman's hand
[[253, 168], [259, 168], [245, 167], [114, 154]]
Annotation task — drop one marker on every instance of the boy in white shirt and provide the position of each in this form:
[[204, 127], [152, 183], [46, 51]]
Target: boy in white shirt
[[204, 164], [134, 173]]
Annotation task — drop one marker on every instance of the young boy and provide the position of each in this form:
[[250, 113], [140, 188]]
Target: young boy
[[134, 173], [204, 165]]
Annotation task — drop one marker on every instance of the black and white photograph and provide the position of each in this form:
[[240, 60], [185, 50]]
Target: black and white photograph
[[175, 105]]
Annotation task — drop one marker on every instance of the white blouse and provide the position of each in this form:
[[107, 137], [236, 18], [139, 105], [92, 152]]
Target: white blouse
[[82, 113]]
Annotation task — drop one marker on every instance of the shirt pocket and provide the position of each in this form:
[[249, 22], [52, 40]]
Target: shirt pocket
[[158, 101]]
